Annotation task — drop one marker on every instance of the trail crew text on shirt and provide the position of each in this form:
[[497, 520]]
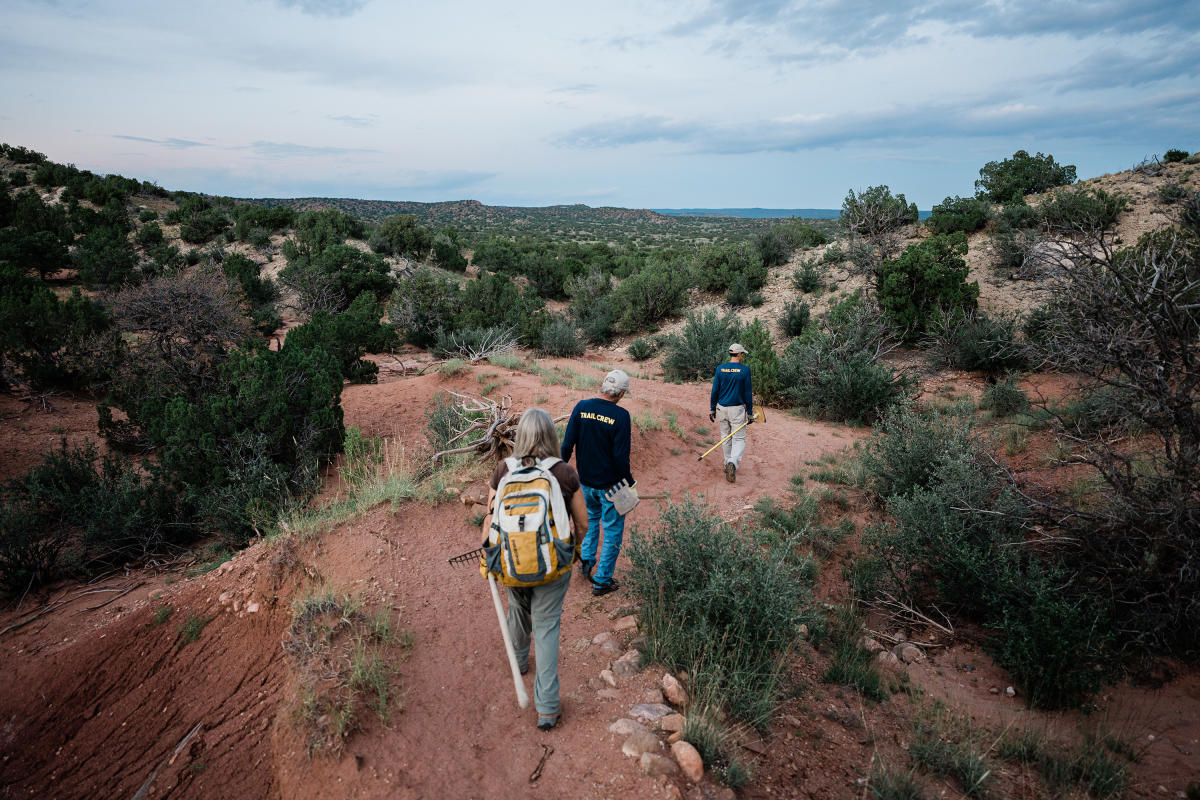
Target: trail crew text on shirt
[[597, 417]]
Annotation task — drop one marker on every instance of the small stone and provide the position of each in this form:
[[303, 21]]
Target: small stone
[[656, 765], [1010, 691], [609, 694], [608, 677], [793, 721], [870, 645], [674, 691], [638, 643], [612, 647], [626, 727], [652, 696], [639, 742], [908, 652], [628, 623], [689, 760], [223, 599], [674, 737], [628, 665], [803, 631], [252, 607], [994, 690], [673, 792], [601, 638], [887, 658], [671, 722], [649, 712]]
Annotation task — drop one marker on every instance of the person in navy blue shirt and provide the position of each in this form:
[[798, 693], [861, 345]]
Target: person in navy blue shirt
[[732, 404], [599, 429]]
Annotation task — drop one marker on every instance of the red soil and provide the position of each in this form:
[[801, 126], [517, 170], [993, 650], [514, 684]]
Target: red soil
[[96, 699]]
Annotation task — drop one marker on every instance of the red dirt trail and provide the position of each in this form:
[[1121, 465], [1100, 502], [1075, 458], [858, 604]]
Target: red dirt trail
[[95, 700]]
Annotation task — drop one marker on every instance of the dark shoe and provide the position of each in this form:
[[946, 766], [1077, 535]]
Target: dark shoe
[[585, 568], [601, 589], [730, 473], [547, 722], [524, 669]]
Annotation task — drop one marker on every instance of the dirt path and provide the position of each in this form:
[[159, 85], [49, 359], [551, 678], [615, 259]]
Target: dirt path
[[96, 700]]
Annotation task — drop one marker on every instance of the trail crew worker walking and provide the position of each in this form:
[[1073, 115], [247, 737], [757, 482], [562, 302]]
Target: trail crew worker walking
[[732, 404], [536, 610], [599, 428]]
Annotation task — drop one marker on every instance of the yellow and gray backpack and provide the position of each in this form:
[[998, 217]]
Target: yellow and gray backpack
[[529, 542]]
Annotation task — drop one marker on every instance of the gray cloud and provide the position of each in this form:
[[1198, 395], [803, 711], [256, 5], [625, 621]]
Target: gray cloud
[[1169, 114], [866, 24], [1114, 67], [173, 144], [579, 88], [325, 8], [356, 122], [290, 150]]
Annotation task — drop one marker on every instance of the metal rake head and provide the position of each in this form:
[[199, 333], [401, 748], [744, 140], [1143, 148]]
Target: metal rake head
[[471, 557]]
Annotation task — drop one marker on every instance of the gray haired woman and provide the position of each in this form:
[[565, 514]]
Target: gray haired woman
[[537, 611]]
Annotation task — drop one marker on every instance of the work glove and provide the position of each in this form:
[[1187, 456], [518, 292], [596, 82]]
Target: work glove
[[750, 420], [712, 416]]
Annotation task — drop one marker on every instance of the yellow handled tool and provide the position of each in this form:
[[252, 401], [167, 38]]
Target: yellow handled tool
[[758, 416], [718, 444]]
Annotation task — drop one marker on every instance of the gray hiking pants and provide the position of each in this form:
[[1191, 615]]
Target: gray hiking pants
[[538, 610]]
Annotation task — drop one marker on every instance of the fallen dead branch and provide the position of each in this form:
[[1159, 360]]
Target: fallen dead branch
[[183, 743], [487, 425], [890, 605]]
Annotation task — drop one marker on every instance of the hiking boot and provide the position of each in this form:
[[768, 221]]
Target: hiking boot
[[601, 589], [547, 721], [585, 568], [730, 472]]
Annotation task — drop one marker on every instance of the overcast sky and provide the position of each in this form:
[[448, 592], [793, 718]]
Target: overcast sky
[[635, 103]]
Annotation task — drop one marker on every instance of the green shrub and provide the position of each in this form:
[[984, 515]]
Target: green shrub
[[421, 305], [833, 369], [560, 339], [105, 259], [591, 304], [850, 663], [702, 345], [795, 317], [773, 246], [1004, 398], [1083, 210], [493, 300], [79, 512], [1189, 216], [800, 234], [657, 291], [728, 624], [1172, 193], [966, 214], [1013, 178], [1050, 639], [975, 341], [763, 363], [50, 341], [876, 213], [348, 336], [405, 235], [808, 277], [909, 450], [928, 276], [641, 349], [716, 267], [1174, 156]]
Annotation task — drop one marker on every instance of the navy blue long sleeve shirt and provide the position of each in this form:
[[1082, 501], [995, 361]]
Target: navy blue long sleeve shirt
[[731, 387], [599, 428]]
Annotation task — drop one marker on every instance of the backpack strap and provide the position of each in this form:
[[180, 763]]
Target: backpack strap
[[548, 462]]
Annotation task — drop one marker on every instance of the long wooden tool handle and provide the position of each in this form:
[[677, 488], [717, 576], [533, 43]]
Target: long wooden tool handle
[[718, 444], [518, 684]]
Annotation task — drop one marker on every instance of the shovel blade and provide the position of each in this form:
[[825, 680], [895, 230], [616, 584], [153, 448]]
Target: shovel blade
[[623, 498]]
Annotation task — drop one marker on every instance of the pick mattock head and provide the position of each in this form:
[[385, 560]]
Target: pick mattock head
[[623, 497]]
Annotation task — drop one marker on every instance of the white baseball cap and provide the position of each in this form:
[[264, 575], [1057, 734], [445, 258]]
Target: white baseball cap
[[736, 348], [615, 381]]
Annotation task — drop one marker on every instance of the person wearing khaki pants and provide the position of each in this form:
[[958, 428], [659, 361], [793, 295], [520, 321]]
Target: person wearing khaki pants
[[731, 403]]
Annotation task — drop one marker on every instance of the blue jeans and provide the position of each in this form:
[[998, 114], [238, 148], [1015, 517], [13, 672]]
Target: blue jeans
[[602, 515]]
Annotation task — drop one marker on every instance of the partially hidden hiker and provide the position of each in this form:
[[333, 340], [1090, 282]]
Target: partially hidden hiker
[[732, 404], [598, 432], [536, 610]]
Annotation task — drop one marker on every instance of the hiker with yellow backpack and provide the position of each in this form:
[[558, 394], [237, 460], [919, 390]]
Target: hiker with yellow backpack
[[529, 547]]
